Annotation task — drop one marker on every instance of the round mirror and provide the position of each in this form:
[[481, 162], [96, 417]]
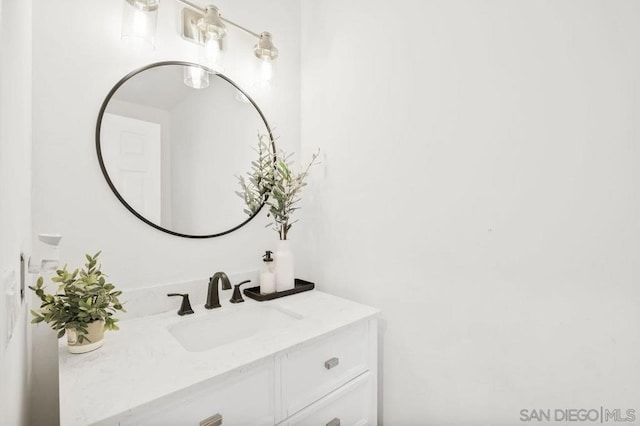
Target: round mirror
[[172, 137]]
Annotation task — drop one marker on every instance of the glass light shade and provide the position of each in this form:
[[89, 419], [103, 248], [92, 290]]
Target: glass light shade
[[263, 73], [196, 77], [139, 22], [211, 25], [213, 55]]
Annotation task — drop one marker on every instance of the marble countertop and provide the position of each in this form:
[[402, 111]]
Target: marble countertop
[[143, 362]]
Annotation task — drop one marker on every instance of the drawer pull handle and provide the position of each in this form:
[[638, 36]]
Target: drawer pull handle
[[329, 364], [334, 422], [215, 420]]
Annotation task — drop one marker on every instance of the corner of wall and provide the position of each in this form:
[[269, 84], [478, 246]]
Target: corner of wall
[[15, 209]]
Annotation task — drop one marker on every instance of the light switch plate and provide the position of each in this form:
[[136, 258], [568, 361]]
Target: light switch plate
[[9, 286]]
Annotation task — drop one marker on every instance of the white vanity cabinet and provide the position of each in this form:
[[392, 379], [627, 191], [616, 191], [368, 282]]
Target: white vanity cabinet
[[244, 398], [329, 381], [320, 368], [314, 371], [351, 404]]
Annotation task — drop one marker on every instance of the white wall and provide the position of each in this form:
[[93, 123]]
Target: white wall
[[15, 205], [219, 135], [78, 57], [75, 65], [480, 186]]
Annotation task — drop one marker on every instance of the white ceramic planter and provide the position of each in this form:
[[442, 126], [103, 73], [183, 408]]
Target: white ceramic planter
[[95, 335], [284, 267]]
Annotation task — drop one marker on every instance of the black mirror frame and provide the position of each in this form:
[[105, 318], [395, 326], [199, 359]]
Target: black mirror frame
[[103, 167]]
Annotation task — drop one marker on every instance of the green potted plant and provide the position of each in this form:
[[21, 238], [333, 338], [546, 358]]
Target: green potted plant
[[274, 182], [82, 308]]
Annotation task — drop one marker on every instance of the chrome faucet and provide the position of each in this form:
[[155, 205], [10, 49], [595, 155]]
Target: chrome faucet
[[213, 299]]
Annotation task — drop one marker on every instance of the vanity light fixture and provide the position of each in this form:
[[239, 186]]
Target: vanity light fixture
[[211, 24], [139, 22], [266, 52], [207, 26], [204, 26], [265, 49]]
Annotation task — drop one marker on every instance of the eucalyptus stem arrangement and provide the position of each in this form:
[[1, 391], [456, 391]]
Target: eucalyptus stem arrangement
[[255, 189], [273, 182], [83, 296]]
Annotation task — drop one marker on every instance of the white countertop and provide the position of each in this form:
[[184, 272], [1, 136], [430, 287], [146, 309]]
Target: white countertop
[[143, 362]]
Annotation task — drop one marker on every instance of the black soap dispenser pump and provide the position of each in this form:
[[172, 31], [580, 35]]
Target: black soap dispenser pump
[[268, 276]]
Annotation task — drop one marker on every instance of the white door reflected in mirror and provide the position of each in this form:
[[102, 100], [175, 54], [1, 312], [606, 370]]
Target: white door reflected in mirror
[[131, 147]]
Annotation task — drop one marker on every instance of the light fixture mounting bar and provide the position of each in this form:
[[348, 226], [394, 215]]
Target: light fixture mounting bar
[[192, 5], [202, 11], [240, 27]]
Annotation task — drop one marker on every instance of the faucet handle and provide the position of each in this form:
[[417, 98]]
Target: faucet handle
[[237, 296], [185, 307]]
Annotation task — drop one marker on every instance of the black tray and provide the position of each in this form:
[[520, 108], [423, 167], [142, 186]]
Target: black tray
[[300, 286]]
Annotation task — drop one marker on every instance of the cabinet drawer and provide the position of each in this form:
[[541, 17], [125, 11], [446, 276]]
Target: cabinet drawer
[[350, 405], [317, 369], [243, 399]]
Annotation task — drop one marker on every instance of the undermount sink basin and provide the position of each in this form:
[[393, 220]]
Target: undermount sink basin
[[229, 324]]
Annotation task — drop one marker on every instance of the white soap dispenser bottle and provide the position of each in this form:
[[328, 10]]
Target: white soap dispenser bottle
[[267, 276]]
